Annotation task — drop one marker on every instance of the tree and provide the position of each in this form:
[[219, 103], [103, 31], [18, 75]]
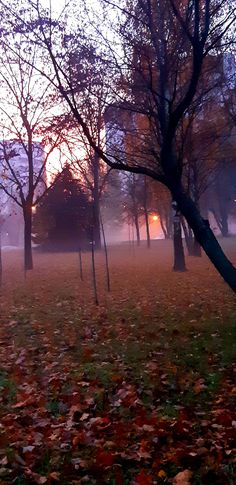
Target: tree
[[63, 218], [132, 202], [23, 114], [164, 45], [208, 152]]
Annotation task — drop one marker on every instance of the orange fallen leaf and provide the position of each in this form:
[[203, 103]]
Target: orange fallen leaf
[[161, 474], [183, 478]]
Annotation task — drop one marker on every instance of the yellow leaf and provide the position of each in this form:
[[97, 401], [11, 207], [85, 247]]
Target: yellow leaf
[[161, 474]]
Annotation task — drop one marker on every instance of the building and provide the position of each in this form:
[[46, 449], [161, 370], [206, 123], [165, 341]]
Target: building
[[14, 177]]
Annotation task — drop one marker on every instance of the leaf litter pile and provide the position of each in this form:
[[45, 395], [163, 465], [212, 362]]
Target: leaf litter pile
[[139, 390]]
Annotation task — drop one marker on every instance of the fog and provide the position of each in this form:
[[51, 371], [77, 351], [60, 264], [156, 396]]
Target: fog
[[12, 230]]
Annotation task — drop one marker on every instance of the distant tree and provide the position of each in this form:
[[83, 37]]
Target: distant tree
[[112, 202], [132, 203], [63, 218]]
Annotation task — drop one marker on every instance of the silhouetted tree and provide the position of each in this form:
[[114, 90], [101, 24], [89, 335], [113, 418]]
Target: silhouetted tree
[[63, 217]]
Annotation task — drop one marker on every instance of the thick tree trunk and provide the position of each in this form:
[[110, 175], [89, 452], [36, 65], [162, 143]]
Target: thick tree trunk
[[28, 256], [205, 236], [179, 258]]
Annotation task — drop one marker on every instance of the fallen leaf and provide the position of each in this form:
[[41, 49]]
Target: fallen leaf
[[143, 479], [183, 478], [161, 474]]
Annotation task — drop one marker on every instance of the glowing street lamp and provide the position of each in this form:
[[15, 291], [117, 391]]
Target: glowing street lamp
[[155, 218]]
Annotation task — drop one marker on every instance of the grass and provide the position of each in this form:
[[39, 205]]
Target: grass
[[132, 391]]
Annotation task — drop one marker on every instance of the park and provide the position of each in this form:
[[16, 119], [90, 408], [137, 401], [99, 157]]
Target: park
[[136, 390], [117, 242]]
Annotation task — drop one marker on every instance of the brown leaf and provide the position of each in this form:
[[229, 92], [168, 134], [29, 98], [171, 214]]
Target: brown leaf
[[183, 478], [55, 476]]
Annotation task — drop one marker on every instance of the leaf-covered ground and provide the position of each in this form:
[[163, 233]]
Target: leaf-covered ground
[[140, 390]]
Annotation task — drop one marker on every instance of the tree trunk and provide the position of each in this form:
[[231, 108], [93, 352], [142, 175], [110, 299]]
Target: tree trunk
[[28, 256], [106, 256], [96, 226], [96, 204], [223, 201], [0, 256], [94, 270], [81, 265], [179, 259], [205, 236], [163, 228], [136, 223], [146, 214], [188, 237], [147, 229], [196, 248], [225, 227]]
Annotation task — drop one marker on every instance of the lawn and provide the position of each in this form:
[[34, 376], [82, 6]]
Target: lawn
[[138, 390]]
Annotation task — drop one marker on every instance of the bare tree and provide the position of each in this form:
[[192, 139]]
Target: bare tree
[[23, 115]]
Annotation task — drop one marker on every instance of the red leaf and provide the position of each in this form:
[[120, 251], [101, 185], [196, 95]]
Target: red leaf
[[104, 458], [143, 479]]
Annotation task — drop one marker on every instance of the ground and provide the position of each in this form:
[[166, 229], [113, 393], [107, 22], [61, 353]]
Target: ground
[[138, 390]]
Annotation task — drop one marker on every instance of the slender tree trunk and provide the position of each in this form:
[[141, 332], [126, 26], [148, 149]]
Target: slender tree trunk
[[81, 265], [205, 236], [179, 258], [136, 223], [28, 255], [164, 230], [94, 271], [188, 237], [223, 203], [224, 226], [96, 204], [196, 248], [106, 256], [197, 252], [146, 214], [147, 229], [0, 257]]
